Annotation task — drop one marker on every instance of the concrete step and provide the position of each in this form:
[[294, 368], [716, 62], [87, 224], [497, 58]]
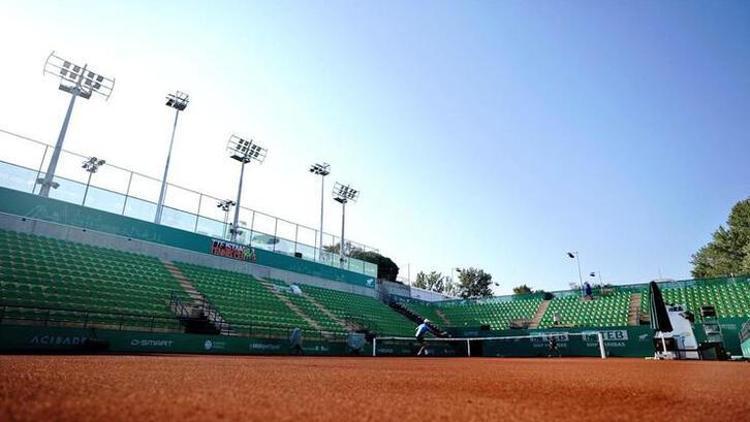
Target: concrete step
[[539, 314], [193, 293], [634, 309], [442, 316], [294, 308]]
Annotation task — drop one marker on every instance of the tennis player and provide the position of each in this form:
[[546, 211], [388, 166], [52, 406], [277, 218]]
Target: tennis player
[[422, 330]]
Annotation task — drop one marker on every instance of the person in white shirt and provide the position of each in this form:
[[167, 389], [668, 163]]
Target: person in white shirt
[[422, 330]]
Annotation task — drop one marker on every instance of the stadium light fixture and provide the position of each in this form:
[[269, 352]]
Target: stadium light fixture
[[91, 166], [343, 194], [178, 101], [225, 205], [244, 151], [576, 256], [593, 274], [322, 170], [78, 81]]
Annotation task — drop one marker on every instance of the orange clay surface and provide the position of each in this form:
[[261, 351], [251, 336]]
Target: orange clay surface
[[191, 388]]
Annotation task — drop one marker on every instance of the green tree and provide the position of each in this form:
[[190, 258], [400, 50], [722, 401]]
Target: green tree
[[451, 287], [387, 269], [434, 281], [474, 283], [521, 290], [728, 252]]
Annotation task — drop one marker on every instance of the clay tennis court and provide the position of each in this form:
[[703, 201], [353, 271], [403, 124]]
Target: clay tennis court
[[186, 388]]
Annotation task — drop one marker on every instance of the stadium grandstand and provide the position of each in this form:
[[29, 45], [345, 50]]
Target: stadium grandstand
[[64, 266]]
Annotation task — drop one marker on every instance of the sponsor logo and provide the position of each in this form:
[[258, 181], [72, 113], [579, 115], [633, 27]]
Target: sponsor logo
[[214, 345], [544, 337], [264, 346], [151, 343], [608, 336], [232, 250], [48, 340]]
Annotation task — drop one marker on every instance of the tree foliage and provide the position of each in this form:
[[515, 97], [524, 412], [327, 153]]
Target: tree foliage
[[387, 269], [521, 290], [728, 252], [474, 283], [434, 281]]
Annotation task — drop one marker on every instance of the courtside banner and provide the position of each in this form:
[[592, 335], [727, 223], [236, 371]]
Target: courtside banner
[[60, 339]]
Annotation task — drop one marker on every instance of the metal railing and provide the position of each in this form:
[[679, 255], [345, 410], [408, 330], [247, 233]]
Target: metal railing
[[70, 317], [125, 192]]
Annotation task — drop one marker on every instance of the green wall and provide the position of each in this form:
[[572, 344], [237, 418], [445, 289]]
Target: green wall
[[57, 339], [33, 206], [730, 330]]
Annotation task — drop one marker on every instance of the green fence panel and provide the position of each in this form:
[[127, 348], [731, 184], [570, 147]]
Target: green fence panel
[[59, 339]]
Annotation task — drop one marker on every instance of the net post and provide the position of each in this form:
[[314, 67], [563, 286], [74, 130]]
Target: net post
[[600, 336], [374, 345], [468, 347]]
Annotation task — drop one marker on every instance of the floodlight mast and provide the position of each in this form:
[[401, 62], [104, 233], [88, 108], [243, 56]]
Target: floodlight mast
[[179, 101], [225, 205], [91, 166], [323, 170], [343, 194], [78, 81], [244, 151], [575, 255]]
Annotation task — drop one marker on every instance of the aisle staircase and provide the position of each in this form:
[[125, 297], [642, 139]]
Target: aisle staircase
[[442, 316], [294, 308], [634, 310], [539, 314], [200, 316], [417, 319]]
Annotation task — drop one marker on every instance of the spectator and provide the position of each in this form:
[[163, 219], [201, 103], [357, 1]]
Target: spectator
[[295, 341], [556, 318], [587, 291]]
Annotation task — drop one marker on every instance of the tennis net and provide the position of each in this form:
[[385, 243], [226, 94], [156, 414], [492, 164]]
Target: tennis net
[[547, 344]]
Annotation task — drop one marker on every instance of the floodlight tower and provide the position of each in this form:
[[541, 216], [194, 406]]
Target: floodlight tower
[[322, 170], [178, 101], [343, 194], [575, 255], [225, 206], [593, 274], [91, 166], [244, 151], [78, 81]]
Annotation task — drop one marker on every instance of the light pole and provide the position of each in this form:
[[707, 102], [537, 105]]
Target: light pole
[[91, 166], [225, 205], [244, 151], [322, 170], [178, 101], [575, 255], [343, 194], [593, 274], [78, 81]]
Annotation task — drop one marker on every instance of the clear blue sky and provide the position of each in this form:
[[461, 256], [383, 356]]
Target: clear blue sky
[[491, 134]]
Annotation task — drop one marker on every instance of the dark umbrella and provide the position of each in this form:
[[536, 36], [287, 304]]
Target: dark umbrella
[[659, 315]]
